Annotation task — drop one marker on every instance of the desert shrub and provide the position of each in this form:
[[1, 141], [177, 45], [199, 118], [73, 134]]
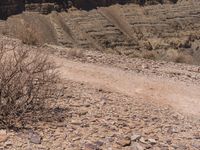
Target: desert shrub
[[149, 55], [175, 55], [27, 80], [29, 37], [183, 58], [75, 53]]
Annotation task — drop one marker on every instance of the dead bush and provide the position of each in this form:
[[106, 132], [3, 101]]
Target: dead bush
[[149, 55], [27, 80], [75, 53], [183, 58], [28, 35]]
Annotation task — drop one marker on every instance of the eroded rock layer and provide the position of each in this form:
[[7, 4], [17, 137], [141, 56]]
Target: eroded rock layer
[[11, 7], [163, 32]]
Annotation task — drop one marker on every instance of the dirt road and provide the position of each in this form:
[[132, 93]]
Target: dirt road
[[182, 97]]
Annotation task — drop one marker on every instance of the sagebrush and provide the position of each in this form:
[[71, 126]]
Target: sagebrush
[[27, 80]]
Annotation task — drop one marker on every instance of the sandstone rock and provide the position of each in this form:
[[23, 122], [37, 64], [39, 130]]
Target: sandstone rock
[[124, 141]]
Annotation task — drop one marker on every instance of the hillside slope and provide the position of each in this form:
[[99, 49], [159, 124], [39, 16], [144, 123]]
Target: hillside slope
[[161, 32], [109, 105]]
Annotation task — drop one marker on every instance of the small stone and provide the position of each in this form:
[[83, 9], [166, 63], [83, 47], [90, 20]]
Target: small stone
[[82, 113], [76, 122], [137, 146], [87, 105], [91, 147], [76, 139], [144, 66], [152, 141], [169, 141], [99, 143], [197, 136], [8, 143], [172, 130], [35, 138], [142, 140], [124, 141], [135, 137]]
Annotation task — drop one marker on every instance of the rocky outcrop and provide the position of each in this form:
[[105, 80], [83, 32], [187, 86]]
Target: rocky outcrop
[[10, 7], [45, 6]]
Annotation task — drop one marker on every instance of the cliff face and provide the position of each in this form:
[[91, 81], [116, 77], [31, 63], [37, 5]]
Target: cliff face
[[45, 6], [10, 7]]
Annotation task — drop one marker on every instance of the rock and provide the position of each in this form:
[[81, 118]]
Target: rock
[[83, 112], [8, 143], [135, 137], [3, 132], [3, 136], [76, 139], [172, 130], [142, 140], [99, 143], [10, 7], [35, 138], [145, 66], [197, 136], [90, 146], [124, 141], [137, 146], [76, 122], [152, 141]]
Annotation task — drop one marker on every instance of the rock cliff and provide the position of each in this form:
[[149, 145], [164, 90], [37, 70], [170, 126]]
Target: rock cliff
[[11, 7]]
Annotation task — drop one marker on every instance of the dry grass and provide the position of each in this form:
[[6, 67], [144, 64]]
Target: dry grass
[[177, 56], [183, 58], [149, 55], [75, 53], [29, 36], [27, 80]]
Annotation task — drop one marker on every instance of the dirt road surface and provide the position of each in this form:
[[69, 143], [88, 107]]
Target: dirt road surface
[[183, 97]]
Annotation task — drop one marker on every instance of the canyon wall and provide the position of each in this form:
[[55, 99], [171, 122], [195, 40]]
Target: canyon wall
[[11, 7]]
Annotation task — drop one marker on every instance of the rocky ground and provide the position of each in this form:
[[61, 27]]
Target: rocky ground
[[114, 102]]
